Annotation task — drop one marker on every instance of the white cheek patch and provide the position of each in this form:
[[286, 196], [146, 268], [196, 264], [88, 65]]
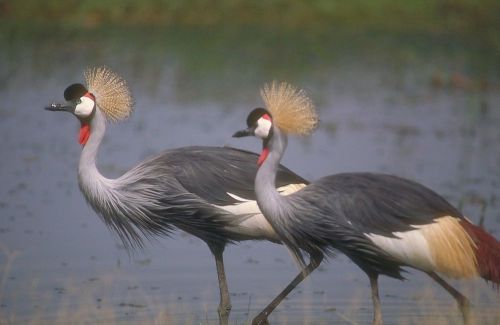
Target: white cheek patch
[[263, 128], [85, 108]]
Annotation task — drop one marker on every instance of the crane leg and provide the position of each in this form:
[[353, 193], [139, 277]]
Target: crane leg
[[225, 301], [463, 303], [315, 260], [377, 311]]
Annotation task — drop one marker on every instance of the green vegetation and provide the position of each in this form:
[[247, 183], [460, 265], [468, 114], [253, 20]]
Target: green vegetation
[[206, 61], [428, 15], [238, 45]]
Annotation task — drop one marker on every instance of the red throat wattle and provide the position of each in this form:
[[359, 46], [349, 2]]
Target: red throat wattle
[[84, 134], [263, 156]]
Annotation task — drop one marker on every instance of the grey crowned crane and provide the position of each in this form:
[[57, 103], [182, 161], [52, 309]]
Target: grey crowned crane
[[381, 222], [205, 191]]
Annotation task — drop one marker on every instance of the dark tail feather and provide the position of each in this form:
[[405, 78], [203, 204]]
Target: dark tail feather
[[487, 253]]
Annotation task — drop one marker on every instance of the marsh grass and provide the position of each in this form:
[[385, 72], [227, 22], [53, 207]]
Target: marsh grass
[[98, 300], [430, 306]]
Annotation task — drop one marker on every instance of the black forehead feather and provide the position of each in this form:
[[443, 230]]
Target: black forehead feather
[[255, 115], [74, 92]]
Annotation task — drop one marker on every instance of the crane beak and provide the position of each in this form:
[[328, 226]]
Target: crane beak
[[245, 133], [56, 107]]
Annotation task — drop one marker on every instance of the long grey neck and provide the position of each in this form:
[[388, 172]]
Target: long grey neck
[[130, 204], [103, 194], [276, 208], [88, 174], [269, 200]]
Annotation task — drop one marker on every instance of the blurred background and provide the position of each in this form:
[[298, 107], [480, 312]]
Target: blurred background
[[405, 87]]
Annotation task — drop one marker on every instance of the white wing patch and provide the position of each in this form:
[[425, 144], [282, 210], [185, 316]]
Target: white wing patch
[[237, 198], [409, 247], [443, 246], [252, 222], [244, 207], [290, 188], [248, 221]]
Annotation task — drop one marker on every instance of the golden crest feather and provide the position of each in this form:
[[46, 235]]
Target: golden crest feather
[[292, 111], [111, 92]]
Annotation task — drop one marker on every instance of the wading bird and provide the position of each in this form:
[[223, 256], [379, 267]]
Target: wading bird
[[205, 191], [381, 222]]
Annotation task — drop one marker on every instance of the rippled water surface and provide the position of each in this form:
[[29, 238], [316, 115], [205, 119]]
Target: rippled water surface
[[422, 107]]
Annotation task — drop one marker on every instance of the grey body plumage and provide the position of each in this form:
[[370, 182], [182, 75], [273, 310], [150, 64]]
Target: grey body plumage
[[341, 212], [336, 212], [381, 222], [205, 191], [179, 188]]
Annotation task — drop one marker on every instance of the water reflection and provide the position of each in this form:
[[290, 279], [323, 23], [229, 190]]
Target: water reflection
[[421, 107]]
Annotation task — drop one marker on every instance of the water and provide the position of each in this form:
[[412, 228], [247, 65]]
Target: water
[[423, 107]]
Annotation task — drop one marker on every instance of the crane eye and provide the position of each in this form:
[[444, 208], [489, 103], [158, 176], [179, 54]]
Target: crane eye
[[78, 101]]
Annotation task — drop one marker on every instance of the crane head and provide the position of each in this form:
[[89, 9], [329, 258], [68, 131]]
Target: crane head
[[81, 103], [287, 109], [259, 124], [79, 100], [104, 90], [291, 109]]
